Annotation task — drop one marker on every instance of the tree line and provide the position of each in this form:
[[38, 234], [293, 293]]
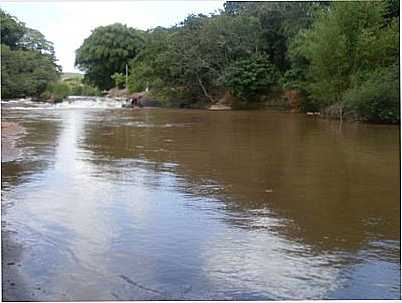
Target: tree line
[[29, 66], [341, 58], [28, 61]]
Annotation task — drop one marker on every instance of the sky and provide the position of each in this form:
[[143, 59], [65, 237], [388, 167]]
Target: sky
[[67, 24]]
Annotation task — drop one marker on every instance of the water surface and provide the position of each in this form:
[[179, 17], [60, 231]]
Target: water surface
[[118, 204]]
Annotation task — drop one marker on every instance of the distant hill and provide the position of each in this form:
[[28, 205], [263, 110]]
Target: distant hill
[[65, 76]]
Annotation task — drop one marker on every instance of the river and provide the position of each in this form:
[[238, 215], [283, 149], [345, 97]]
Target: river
[[105, 203]]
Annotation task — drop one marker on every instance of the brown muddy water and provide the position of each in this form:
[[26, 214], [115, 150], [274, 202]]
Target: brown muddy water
[[104, 203]]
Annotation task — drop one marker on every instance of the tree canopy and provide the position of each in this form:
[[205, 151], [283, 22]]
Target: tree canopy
[[106, 52], [203, 55], [345, 47], [12, 30], [28, 59], [336, 55]]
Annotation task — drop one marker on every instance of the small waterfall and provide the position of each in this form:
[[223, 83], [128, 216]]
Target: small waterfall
[[88, 102], [72, 102]]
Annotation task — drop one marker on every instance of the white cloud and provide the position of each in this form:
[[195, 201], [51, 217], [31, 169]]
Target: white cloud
[[67, 24]]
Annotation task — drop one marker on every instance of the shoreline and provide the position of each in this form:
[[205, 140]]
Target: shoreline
[[13, 287], [9, 126]]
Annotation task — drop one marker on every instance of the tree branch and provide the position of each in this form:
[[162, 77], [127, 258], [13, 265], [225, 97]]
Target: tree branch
[[204, 90]]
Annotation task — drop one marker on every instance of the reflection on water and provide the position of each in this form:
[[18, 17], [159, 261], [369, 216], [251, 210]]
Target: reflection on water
[[114, 204]]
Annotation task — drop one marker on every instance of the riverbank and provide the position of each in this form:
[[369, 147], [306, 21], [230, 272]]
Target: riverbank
[[14, 288], [11, 250], [290, 100]]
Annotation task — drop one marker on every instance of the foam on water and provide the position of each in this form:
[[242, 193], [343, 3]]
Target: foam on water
[[89, 103], [72, 102]]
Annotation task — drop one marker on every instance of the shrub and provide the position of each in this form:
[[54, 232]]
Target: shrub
[[376, 98], [84, 90], [248, 77], [56, 91], [79, 88], [119, 80]]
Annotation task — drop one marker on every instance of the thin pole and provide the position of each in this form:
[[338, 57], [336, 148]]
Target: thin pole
[[126, 76]]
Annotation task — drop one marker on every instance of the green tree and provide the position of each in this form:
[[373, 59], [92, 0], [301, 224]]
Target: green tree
[[345, 44], [28, 59], [34, 40], [192, 56], [12, 30], [249, 77], [119, 80], [25, 73], [106, 51], [56, 91], [78, 88], [149, 66], [278, 23], [376, 98]]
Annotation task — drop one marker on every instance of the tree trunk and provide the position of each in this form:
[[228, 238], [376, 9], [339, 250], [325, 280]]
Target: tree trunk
[[205, 91], [340, 115]]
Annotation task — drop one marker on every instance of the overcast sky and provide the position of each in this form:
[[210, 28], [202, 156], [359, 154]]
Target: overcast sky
[[67, 24]]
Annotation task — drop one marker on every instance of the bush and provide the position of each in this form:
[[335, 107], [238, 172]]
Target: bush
[[78, 88], [119, 80], [248, 77], [376, 98], [175, 98], [347, 42], [140, 76], [56, 91], [84, 90], [25, 73]]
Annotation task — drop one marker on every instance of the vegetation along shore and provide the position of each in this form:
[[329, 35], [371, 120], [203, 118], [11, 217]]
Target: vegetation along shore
[[339, 59]]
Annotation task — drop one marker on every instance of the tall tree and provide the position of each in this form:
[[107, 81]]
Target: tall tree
[[279, 22], [12, 30], [28, 59], [106, 52], [193, 55], [345, 45]]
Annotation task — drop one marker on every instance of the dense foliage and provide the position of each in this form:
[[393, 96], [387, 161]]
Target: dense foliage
[[333, 54], [243, 49], [247, 78], [56, 91], [376, 98], [71, 86], [107, 51], [352, 50], [119, 80], [204, 56], [28, 60], [78, 87], [342, 55]]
